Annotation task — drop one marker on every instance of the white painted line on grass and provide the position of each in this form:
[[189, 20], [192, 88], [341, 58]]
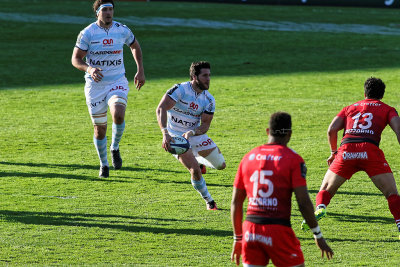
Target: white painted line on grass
[[286, 26]]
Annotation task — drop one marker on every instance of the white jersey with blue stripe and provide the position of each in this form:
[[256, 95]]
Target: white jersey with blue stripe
[[190, 105], [104, 49]]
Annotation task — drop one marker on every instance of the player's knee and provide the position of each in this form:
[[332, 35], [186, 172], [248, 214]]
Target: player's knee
[[100, 132], [216, 159], [221, 166], [195, 173]]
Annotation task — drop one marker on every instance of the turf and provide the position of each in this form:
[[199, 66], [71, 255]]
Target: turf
[[54, 210]]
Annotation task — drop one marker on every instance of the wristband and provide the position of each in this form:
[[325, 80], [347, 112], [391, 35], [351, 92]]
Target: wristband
[[193, 132], [164, 130], [238, 238], [88, 69], [334, 152], [317, 232]]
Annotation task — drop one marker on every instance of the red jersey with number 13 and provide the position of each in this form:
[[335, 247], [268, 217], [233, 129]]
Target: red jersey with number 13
[[366, 119], [269, 173]]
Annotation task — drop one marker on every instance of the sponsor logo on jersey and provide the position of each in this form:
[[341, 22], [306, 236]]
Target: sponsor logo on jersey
[[263, 201], [94, 104], [118, 87], [354, 155], [205, 143], [186, 112], [359, 131], [116, 52], [183, 122], [252, 237], [194, 106], [265, 157], [108, 42], [105, 62]]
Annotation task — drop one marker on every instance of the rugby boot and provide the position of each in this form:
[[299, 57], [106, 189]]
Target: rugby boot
[[319, 214], [203, 169], [116, 159], [212, 205], [104, 172]]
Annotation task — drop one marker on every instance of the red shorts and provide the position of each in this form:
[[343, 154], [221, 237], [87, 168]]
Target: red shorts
[[354, 157], [262, 242]]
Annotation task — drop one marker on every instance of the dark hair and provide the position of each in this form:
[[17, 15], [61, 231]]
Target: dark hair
[[374, 88], [196, 67], [280, 124], [98, 3]]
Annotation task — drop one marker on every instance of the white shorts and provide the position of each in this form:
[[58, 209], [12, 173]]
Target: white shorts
[[198, 142], [97, 95]]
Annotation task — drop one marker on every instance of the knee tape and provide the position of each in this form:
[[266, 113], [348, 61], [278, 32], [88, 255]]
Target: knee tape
[[216, 159], [99, 119], [117, 100]]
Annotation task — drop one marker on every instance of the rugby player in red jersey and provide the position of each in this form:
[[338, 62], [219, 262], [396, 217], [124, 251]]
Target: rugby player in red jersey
[[363, 123], [268, 175]]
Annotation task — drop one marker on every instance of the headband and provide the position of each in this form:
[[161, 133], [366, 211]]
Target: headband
[[101, 7]]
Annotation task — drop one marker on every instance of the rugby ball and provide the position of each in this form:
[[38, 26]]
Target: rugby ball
[[178, 145]]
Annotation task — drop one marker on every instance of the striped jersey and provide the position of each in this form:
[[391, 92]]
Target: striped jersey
[[104, 49], [190, 105]]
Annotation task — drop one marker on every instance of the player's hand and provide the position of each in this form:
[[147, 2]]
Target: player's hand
[[323, 246], [331, 159], [236, 252], [139, 80], [95, 73], [166, 140], [188, 134]]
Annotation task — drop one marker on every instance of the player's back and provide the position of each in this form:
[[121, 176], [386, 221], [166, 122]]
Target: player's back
[[269, 173], [366, 119]]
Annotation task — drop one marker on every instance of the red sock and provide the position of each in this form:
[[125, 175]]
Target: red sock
[[323, 197], [394, 207]]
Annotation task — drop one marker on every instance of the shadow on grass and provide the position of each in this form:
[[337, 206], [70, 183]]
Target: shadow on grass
[[118, 178], [350, 193], [100, 221]]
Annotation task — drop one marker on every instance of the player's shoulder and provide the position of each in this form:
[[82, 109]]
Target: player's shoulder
[[120, 26], [209, 96], [90, 29]]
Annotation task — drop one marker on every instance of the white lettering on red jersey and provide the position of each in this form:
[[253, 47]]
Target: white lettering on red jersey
[[269, 173]]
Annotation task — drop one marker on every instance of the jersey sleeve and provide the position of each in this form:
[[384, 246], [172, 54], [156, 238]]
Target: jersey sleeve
[[342, 113], [129, 37], [83, 40], [210, 108], [176, 92], [299, 172], [392, 113], [238, 183]]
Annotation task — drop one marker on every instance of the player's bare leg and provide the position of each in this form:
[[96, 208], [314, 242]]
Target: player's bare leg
[[117, 111], [386, 183], [189, 161], [328, 189]]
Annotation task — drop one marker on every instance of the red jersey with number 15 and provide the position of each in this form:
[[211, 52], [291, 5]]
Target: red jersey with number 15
[[365, 120], [269, 173]]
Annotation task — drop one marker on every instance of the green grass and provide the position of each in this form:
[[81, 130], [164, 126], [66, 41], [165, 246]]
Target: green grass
[[54, 210]]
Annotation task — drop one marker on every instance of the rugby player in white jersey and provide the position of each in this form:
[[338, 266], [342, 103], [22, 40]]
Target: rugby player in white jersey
[[187, 109], [106, 85]]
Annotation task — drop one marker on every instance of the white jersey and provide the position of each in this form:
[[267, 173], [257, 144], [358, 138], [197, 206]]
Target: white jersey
[[186, 113], [104, 49]]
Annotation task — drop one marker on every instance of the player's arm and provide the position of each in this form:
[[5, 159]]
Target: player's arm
[[165, 104], [78, 62], [336, 125], [205, 123], [395, 125], [238, 197], [307, 211], [137, 55]]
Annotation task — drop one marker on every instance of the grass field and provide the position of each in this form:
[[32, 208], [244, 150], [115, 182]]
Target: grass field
[[54, 210]]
